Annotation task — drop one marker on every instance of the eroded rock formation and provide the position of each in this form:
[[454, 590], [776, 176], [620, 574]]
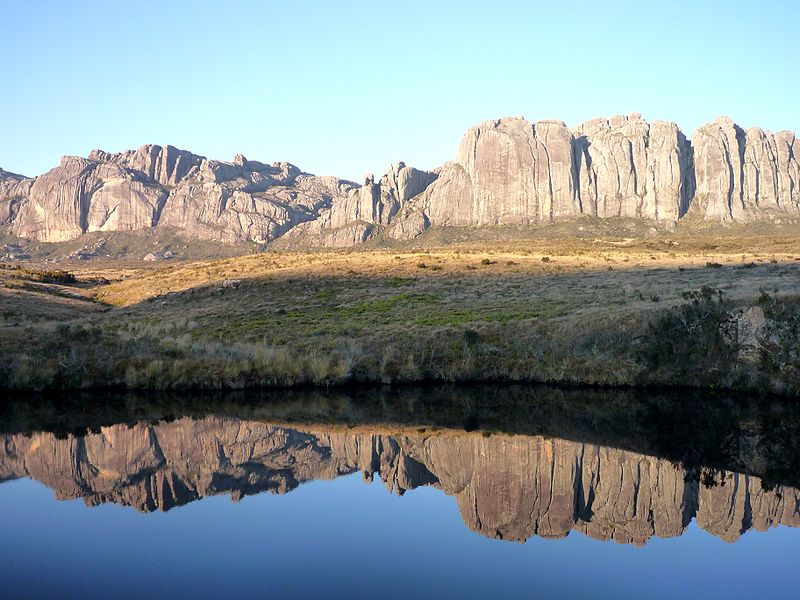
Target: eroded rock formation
[[743, 175], [506, 171], [513, 172], [242, 201], [506, 487], [352, 218], [627, 167]]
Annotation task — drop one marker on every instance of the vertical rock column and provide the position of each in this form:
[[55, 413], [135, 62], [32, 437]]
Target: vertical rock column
[[628, 168]]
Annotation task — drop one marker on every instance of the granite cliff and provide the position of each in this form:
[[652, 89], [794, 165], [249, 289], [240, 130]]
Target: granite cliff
[[506, 171], [506, 487], [233, 202]]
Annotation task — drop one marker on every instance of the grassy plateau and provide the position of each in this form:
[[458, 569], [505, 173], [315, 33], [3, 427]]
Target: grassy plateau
[[589, 306]]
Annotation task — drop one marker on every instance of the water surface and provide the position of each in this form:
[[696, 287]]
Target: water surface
[[442, 492]]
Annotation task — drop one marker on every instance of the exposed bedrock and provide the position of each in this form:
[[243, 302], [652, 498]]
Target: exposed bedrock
[[236, 202], [352, 218], [511, 171], [745, 175], [506, 171]]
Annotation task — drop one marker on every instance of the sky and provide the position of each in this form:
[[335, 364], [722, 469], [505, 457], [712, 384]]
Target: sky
[[345, 88]]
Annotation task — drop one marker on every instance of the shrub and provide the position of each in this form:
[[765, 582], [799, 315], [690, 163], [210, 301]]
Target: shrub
[[685, 345], [471, 337], [59, 277]]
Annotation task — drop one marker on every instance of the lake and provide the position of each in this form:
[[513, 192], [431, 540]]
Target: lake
[[423, 492]]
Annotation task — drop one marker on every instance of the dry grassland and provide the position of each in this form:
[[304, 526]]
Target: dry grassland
[[570, 310]]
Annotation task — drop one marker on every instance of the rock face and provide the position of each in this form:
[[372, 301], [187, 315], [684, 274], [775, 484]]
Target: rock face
[[506, 172], [14, 189], [506, 487], [627, 167], [352, 218], [743, 175], [83, 195], [242, 201], [520, 173], [512, 172], [247, 200]]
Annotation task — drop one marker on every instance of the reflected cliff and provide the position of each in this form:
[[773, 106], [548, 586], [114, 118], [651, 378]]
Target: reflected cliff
[[519, 462]]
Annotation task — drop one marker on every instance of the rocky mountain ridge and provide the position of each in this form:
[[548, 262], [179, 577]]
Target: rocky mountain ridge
[[232, 202], [506, 172], [508, 487]]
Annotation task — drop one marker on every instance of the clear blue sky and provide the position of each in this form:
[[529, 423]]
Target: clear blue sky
[[347, 87]]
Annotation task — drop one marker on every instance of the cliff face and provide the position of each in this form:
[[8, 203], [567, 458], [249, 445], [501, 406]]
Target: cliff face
[[514, 172], [242, 201], [506, 171], [511, 171], [506, 487], [627, 167], [741, 174], [352, 218]]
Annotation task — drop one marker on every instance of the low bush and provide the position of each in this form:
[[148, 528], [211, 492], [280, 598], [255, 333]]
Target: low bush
[[685, 345], [59, 277]]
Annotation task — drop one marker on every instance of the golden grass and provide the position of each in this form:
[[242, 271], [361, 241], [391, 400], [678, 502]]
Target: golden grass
[[556, 309], [605, 257]]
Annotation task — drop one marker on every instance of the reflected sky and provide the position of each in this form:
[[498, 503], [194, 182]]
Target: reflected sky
[[345, 538]]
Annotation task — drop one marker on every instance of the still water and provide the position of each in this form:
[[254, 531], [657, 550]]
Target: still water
[[442, 492]]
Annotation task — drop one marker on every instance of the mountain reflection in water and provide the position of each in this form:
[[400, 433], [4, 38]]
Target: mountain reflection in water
[[535, 463]]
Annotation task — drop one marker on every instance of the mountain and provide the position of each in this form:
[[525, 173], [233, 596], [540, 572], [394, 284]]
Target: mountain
[[240, 201], [509, 487], [506, 172]]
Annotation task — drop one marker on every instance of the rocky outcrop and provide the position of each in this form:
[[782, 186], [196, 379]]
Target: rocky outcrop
[[247, 200], [745, 175], [167, 166], [242, 201], [520, 173], [506, 487], [510, 171], [83, 195], [14, 189], [629, 168], [363, 211], [506, 172]]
